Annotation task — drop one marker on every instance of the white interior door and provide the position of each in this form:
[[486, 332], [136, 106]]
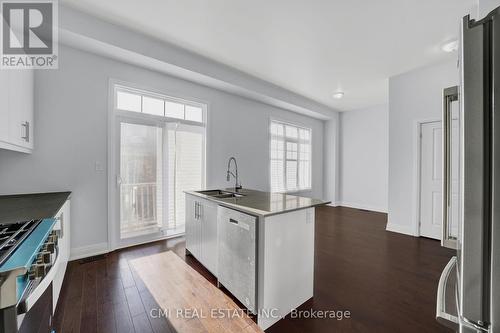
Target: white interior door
[[431, 203]]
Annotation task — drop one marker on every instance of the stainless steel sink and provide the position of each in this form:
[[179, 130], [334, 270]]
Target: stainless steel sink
[[221, 194], [228, 195], [212, 193]]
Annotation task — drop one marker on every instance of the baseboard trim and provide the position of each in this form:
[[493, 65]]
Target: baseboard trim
[[361, 206], [101, 248], [401, 229], [88, 251]]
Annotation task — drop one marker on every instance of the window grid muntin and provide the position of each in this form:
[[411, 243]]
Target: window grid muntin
[[143, 93], [306, 156]]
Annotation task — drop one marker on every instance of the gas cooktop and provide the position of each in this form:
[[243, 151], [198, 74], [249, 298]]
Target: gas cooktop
[[12, 235]]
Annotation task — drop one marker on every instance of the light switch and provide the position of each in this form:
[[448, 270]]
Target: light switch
[[99, 166]]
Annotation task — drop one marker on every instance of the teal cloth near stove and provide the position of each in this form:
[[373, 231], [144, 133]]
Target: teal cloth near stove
[[26, 253]]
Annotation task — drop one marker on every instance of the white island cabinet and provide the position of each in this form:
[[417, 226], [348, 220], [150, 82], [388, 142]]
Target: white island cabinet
[[259, 246], [201, 231]]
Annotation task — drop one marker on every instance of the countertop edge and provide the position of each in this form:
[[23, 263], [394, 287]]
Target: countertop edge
[[22, 207], [253, 211]]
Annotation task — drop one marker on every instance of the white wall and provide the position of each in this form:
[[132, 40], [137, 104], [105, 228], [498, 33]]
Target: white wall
[[413, 97], [71, 106], [331, 160], [486, 6], [363, 158]]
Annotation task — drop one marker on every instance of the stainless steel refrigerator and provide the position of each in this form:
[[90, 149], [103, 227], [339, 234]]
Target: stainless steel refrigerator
[[468, 297]]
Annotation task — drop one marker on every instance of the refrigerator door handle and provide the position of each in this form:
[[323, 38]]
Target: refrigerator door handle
[[472, 325], [449, 95], [442, 307]]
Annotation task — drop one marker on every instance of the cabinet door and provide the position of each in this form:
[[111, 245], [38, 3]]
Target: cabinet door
[[192, 226], [4, 105], [209, 235], [20, 90]]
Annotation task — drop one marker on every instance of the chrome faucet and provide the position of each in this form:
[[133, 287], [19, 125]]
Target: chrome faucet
[[237, 186]]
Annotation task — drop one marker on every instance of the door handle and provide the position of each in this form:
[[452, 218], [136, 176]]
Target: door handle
[[26, 126], [197, 210], [449, 95], [442, 316]]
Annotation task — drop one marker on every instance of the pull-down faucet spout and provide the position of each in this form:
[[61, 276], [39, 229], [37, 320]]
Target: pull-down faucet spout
[[237, 185]]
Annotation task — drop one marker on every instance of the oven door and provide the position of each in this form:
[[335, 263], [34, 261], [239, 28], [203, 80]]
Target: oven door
[[38, 318], [32, 316]]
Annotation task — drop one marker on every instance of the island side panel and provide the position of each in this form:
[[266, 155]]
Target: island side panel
[[286, 264]]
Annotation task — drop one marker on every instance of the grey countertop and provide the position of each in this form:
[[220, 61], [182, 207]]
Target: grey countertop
[[263, 203], [23, 207]]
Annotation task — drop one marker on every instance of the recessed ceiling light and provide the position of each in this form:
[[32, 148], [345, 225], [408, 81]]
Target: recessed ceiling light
[[450, 46], [338, 95]]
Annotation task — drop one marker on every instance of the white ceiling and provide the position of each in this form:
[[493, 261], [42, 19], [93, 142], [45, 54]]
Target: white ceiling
[[311, 47]]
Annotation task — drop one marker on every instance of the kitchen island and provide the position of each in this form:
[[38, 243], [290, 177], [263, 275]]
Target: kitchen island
[[259, 245]]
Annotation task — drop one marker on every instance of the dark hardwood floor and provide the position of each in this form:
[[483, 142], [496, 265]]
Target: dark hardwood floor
[[387, 281]]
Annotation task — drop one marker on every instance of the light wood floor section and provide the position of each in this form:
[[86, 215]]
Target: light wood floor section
[[176, 286]]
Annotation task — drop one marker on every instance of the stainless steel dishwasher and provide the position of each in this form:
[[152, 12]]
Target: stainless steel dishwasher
[[237, 255]]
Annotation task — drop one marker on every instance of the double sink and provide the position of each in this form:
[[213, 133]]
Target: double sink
[[221, 194]]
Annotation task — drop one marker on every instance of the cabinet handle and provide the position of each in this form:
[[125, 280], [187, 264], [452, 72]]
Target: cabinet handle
[[233, 221], [26, 125], [196, 210]]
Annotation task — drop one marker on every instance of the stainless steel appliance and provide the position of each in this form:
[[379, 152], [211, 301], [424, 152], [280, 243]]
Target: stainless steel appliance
[[237, 252], [28, 251], [468, 297]]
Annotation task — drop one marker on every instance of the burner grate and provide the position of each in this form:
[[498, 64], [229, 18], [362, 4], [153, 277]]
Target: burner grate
[[11, 235]]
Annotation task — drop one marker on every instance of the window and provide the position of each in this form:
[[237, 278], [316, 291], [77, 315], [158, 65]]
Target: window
[[290, 157], [159, 158], [129, 99]]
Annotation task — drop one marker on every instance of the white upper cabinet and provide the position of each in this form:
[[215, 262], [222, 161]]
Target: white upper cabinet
[[16, 110], [4, 106]]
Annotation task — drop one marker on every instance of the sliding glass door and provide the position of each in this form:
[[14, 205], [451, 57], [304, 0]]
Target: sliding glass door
[[157, 158], [141, 179], [186, 169]]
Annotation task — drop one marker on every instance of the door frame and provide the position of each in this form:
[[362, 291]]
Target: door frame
[[113, 241], [417, 163]]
